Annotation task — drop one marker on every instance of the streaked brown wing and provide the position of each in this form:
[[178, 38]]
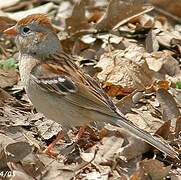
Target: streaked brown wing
[[63, 77]]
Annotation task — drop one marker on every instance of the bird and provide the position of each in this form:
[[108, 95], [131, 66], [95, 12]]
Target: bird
[[60, 89]]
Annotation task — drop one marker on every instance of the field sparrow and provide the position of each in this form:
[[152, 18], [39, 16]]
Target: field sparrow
[[60, 89]]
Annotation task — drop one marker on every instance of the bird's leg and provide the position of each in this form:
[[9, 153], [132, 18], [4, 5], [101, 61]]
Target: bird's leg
[[48, 150], [80, 133]]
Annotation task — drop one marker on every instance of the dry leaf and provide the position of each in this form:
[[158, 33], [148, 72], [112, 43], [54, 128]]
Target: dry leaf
[[40, 9], [116, 90], [8, 3], [125, 68], [178, 127], [5, 97], [167, 7], [151, 42], [144, 119], [168, 105], [6, 23], [17, 151], [164, 130], [163, 62], [163, 84], [153, 169], [135, 147], [78, 20], [108, 148], [164, 38], [127, 102], [4, 141], [18, 175], [119, 12], [8, 78]]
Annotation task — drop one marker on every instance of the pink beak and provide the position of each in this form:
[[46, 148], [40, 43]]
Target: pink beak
[[11, 31]]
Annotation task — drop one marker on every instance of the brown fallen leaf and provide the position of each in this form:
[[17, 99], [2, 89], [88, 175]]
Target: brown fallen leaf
[[162, 84], [45, 8], [168, 105], [163, 62], [151, 42], [125, 68], [108, 147], [17, 151], [178, 127], [77, 21], [6, 23], [168, 8], [8, 78], [164, 130], [5, 97], [151, 168], [116, 90], [165, 38], [135, 148], [142, 118], [4, 141], [119, 12], [128, 102]]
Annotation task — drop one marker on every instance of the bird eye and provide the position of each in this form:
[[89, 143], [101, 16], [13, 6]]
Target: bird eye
[[26, 30]]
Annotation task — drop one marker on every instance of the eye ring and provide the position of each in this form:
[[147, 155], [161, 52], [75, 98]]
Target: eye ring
[[25, 30]]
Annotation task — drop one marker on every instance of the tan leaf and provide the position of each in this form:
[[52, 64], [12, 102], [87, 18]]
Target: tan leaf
[[126, 69]]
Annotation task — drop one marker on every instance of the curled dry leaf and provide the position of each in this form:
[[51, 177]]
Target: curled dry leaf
[[142, 22], [119, 12], [14, 116], [163, 62], [126, 69], [116, 90], [168, 105], [165, 38], [32, 165]]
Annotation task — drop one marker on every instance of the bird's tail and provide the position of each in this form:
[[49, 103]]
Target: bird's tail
[[145, 136]]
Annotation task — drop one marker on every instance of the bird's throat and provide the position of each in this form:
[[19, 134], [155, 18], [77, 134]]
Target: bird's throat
[[26, 63]]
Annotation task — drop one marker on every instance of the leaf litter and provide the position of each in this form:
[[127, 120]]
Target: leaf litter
[[133, 49]]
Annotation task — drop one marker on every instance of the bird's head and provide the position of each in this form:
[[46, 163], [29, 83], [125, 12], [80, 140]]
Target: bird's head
[[35, 35]]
